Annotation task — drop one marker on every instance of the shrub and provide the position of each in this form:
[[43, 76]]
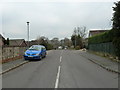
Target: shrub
[[77, 47]]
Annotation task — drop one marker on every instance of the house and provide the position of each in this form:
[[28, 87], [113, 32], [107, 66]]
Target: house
[[95, 32], [17, 42], [33, 42], [2, 40]]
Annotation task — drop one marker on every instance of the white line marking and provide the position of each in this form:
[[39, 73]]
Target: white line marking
[[58, 73], [57, 78], [60, 58]]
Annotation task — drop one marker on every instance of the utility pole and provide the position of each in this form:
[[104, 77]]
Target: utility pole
[[78, 29], [28, 33]]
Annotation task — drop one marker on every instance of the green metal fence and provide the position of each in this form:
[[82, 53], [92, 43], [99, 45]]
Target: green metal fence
[[103, 47]]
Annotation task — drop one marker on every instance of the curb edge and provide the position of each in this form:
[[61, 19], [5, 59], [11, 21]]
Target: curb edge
[[14, 67]]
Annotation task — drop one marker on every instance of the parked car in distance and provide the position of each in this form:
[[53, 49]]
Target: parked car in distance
[[60, 47], [35, 52]]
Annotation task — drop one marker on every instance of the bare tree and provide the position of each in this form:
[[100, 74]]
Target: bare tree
[[82, 31], [42, 39], [79, 36], [67, 42]]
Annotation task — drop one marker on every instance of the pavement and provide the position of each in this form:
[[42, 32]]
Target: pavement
[[61, 69], [105, 63], [11, 64]]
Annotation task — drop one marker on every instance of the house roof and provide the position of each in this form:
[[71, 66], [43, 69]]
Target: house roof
[[94, 32], [1, 36], [16, 42], [34, 42]]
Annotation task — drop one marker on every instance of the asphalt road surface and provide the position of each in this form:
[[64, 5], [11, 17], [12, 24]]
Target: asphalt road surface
[[60, 69]]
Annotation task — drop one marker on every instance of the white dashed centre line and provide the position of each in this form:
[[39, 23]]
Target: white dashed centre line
[[58, 73], [57, 78], [60, 58]]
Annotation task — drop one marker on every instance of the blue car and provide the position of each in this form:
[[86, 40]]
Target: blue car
[[35, 52]]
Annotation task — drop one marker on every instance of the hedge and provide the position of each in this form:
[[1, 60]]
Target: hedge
[[108, 36], [101, 38]]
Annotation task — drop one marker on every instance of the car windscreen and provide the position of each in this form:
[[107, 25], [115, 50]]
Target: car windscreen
[[35, 48]]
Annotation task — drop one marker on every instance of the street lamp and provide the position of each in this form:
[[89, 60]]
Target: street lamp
[[75, 36], [28, 33]]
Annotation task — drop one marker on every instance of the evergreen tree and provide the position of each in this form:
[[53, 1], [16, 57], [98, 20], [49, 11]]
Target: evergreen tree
[[116, 28], [116, 16], [77, 41], [73, 40]]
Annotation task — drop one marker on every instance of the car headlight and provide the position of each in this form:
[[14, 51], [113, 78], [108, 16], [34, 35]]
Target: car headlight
[[37, 54], [25, 53]]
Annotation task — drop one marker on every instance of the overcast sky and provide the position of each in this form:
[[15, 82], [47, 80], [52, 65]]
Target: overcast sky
[[53, 19]]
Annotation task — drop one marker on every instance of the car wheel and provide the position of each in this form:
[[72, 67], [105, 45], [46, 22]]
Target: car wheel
[[44, 56], [24, 59], [40, 57]]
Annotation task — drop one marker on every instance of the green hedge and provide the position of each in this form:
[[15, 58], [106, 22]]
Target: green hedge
[[109, 36], [101, 38]]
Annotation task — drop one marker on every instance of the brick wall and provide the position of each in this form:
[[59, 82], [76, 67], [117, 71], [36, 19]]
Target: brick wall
[[8, 53]]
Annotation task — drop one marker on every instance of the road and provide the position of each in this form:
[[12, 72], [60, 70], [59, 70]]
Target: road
[[60, 69]]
